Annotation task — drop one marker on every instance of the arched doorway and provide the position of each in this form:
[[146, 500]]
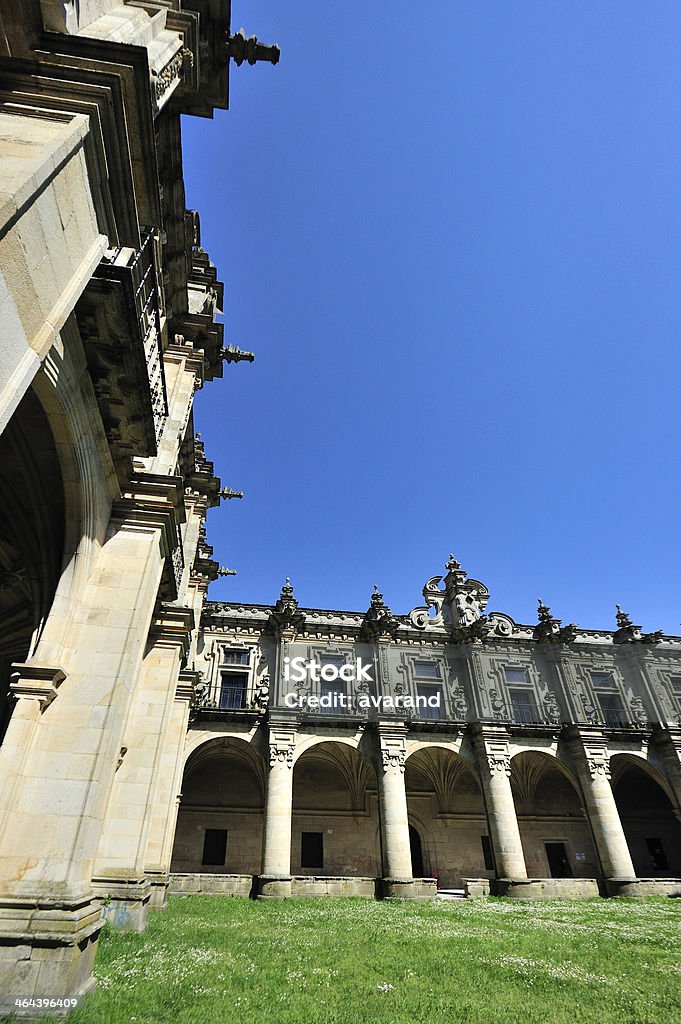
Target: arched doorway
[[447, 814], [554, 829], [652, 830], [32, 529], [335, 825], [220, 821]]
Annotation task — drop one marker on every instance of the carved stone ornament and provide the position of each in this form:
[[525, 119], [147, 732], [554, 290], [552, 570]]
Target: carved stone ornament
[[475, 631], [467, 597], [551, 707], [598, 764], [459, 703], [261, 696], [379, 621], [497, 705], [628, 633], [285, 614], [638, 710], [431, 614], [590, 712], [498, 762], [549, 630], [393, 758], [281, 753]]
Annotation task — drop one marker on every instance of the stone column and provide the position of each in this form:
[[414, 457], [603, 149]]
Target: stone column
[[119, 873], [397, 873], [275, 880], [592, 762], [495, 771], [667, 744]]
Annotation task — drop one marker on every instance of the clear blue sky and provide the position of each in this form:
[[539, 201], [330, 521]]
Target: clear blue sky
[[451, 232]]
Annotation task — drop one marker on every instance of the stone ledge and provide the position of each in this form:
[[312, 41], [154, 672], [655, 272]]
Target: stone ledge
[[546, 888], [636, 887], [210, 885]]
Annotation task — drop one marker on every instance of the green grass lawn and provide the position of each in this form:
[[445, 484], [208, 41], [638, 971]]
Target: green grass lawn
[[211, 960]]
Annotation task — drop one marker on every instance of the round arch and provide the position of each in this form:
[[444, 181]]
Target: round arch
[[646, 806], [220, 819], [554, 829], [335, 824], [446, 805]]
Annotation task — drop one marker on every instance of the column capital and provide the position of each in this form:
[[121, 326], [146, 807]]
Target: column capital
[[392, 739], [36, 682], [282, 744]]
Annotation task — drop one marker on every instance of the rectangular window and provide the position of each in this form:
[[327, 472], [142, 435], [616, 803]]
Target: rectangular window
[[515, 675], [612, 710], [235, 656], [430, 704], [487, 853], [427, 669], [233, 686], [603, 681], [336, 696], [657, 854], [312, 849], [525, 710], [214, 846], [676, 687]]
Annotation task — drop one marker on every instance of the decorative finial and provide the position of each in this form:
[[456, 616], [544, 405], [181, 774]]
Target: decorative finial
[[451, 564], [623, 620], [232, 354], [543, 611], [242, 48]]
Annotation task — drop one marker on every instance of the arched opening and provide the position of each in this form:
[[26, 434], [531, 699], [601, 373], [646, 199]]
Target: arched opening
[[554, 830], [447, 811], [652, 830], [220, 821], [335, 826], [32, 527], [416, 853]]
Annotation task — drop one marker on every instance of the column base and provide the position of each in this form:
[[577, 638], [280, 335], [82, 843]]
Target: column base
[[125, 901], [407, 888], [47, 951], [643, 886], [159, 881], [273, 887], [546, 888]]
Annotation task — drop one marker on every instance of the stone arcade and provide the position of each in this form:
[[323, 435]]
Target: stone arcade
[[147, 739], [529, 761]]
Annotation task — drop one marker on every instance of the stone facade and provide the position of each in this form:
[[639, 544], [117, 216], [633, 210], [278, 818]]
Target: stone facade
[[108, 305], [449, 743]]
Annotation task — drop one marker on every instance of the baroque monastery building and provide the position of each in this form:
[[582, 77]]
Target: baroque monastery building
[[152, 740]]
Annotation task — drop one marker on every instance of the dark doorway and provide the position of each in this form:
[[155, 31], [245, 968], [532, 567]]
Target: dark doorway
[[559, 865], [416, 853]]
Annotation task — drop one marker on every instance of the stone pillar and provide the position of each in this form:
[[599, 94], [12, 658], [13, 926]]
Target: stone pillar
[[52, 812], [397, 877], [167, 803], [275, 880], [592, 762], [667, 744], [119, 874], [495, 771]]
